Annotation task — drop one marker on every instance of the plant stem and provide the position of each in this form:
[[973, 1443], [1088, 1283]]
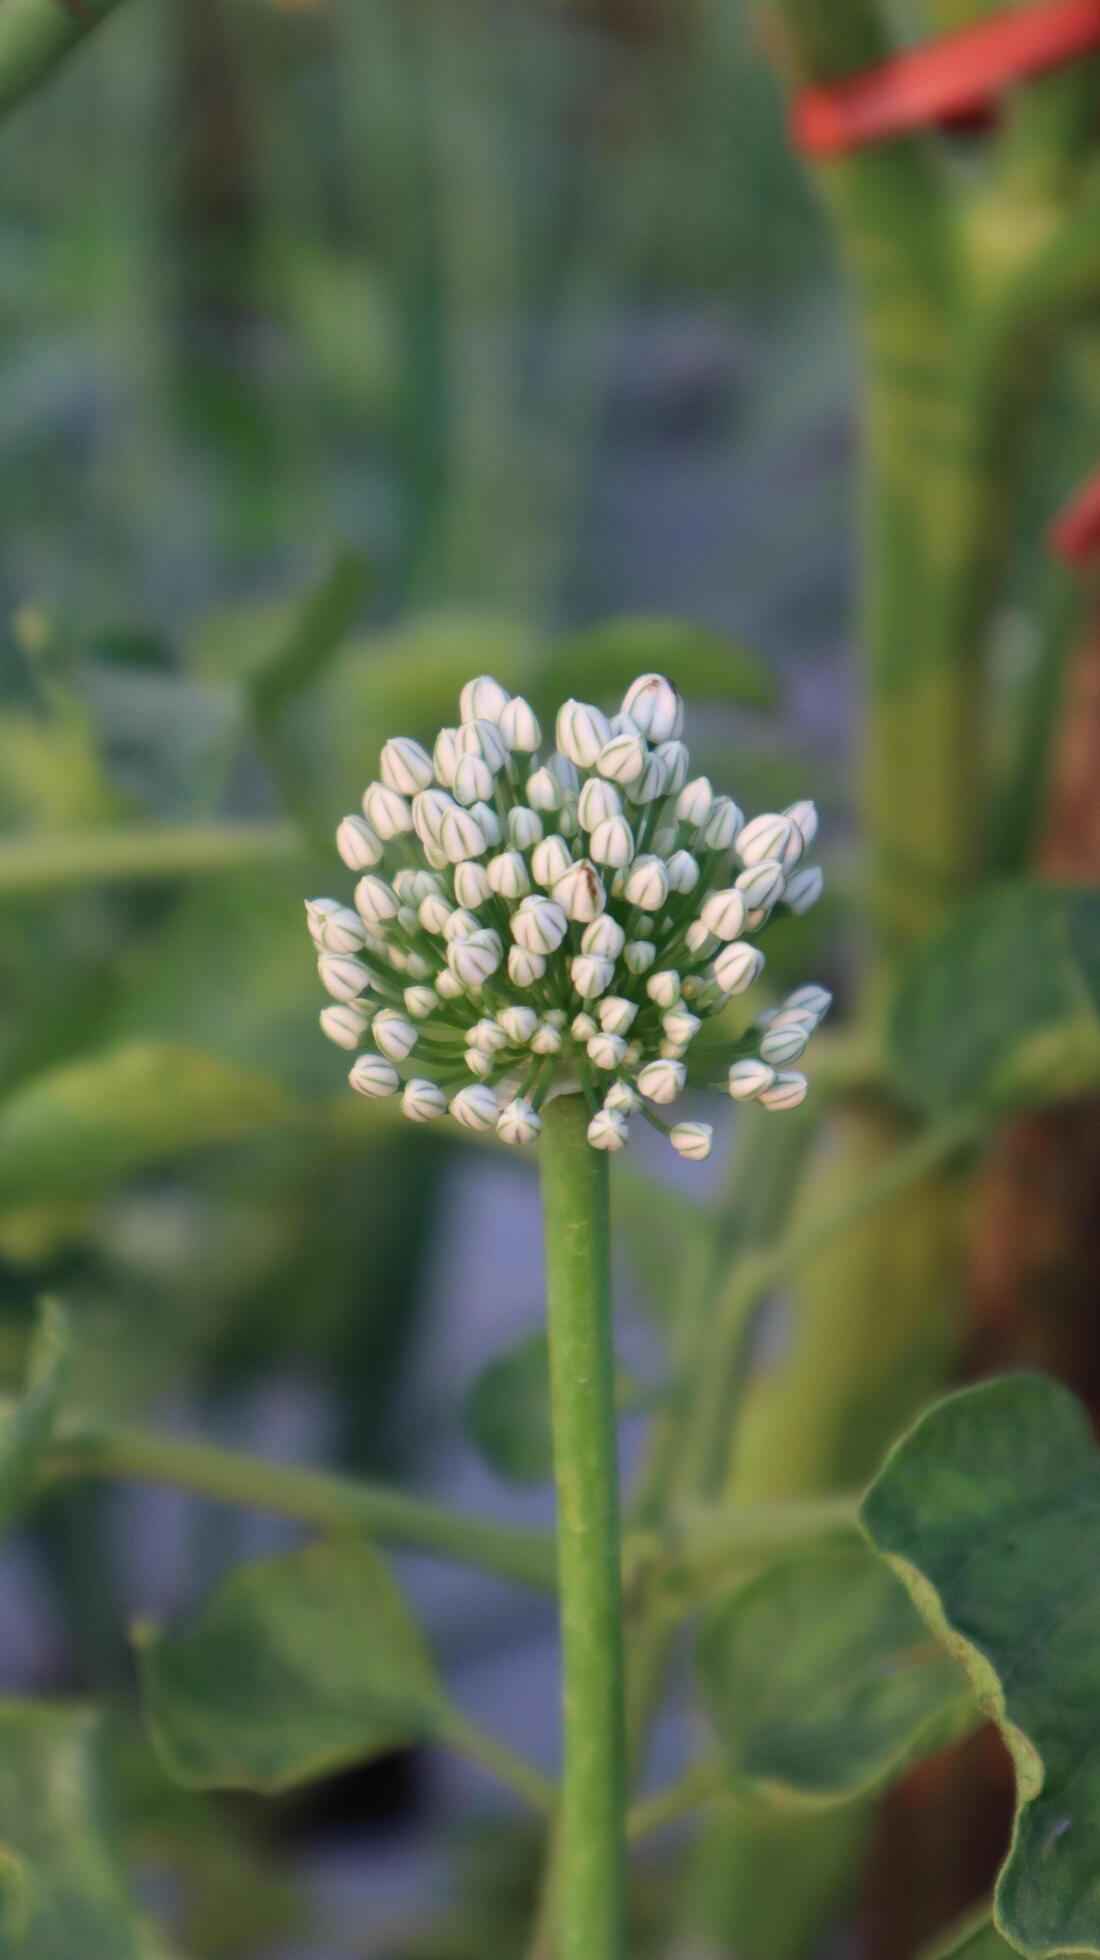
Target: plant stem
[[53, 861], [698, 1786], [502, 1763], [35, 34], [592, 1870], [315, 1497]]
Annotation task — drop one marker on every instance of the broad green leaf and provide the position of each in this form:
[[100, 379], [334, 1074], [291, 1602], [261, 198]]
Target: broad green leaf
[[296, 1667], [75, 1131], [63, 1893], [1004, 1006], [823, 1683], [601, 663], [507, 1411], [27, 1425], [990, 1511]]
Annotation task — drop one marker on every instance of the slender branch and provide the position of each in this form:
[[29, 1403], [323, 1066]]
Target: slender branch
[[592, 1869], [698, 1786], [702, 1540], [313, 1496], [45, 862], [502, 1763], [35, 35]]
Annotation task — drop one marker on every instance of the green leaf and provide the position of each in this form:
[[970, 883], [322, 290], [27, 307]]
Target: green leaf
[[75, 1131], [990, 1511], [26, 1428], [506, 1412], [823, 1683], [706, 666], [1004, 1006], [63, 1893], [296, 1667], [978, 1941]]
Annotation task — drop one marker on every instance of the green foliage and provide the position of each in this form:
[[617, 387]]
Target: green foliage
[[1003, 1007], [979, 1941], [990, 1511], [507, 1411], [822, 1682], [63, 1895], [601, 663], [26, 1428], [297, 1666]]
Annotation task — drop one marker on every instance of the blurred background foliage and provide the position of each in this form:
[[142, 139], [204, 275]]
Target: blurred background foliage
[[349, 348]]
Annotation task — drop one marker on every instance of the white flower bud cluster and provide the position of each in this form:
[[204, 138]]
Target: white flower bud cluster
[[531, 920]]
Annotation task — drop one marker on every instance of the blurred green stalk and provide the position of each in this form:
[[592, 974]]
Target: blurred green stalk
[[53, 861], [35, 34]]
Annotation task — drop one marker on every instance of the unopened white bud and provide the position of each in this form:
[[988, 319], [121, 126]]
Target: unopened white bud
[[581, 732], [405, 766], [664, 988], [461, 835], [692, 1140], [539, 925], [472, 885], [481, 738], [655, 707], [653, 781], [683, 871], [345, 1024], [590, 975], [475, 960], [785, 1042], [787, 1091], [479, 1063], [639, 956], [506, 875], [519, 1024], [803, 889], [460, 924], [543, 791], [447, 987], [723, 824], [680, 1026], [341, 931], [582, 1027], [723, 913], [392, 1035], [737, 966], [580, 892], [524, 828], [387, 812], [612, 844], [804, 814], [525, 967], [675, 759], [662, 1081], [647, 883], [420, 1002], [492, 830], [622, 1097], [622, 759], [375, 900], [604, 937], [358, 843], [483, 699], [434, 912], [695, 802], [761, 885], [372, 1075], [428, 811], [488, 1035], [609, 1130], [342, 976], [546, 1040], [769, 838], [519, 728], [749, 1079], [814, 1001], [597, 802], [476, 1107], [445, 756], [422, 1101], [473, 780], [518, 1123], [606, 1050], [617, 1016], [550, 861]]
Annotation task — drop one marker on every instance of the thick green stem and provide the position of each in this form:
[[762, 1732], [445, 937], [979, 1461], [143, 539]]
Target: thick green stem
[[60, 860], [591, 1872]]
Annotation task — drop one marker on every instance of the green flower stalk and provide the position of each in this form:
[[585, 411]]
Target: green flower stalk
[[535, 942]]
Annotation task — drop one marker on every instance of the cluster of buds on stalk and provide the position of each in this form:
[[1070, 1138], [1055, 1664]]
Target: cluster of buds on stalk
[[528, 923]]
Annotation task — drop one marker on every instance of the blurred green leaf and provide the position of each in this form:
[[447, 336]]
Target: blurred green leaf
[[706, 666], [979, 1941], [1004, 1006], [823, 1683], [75, 1131], [989, 1509], [26, 1428], [63, 1894], [296, 1667], [507, 1411], [302, 651]]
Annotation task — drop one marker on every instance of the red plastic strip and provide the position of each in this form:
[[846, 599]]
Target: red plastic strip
[[1075, 534], [953, 78]]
